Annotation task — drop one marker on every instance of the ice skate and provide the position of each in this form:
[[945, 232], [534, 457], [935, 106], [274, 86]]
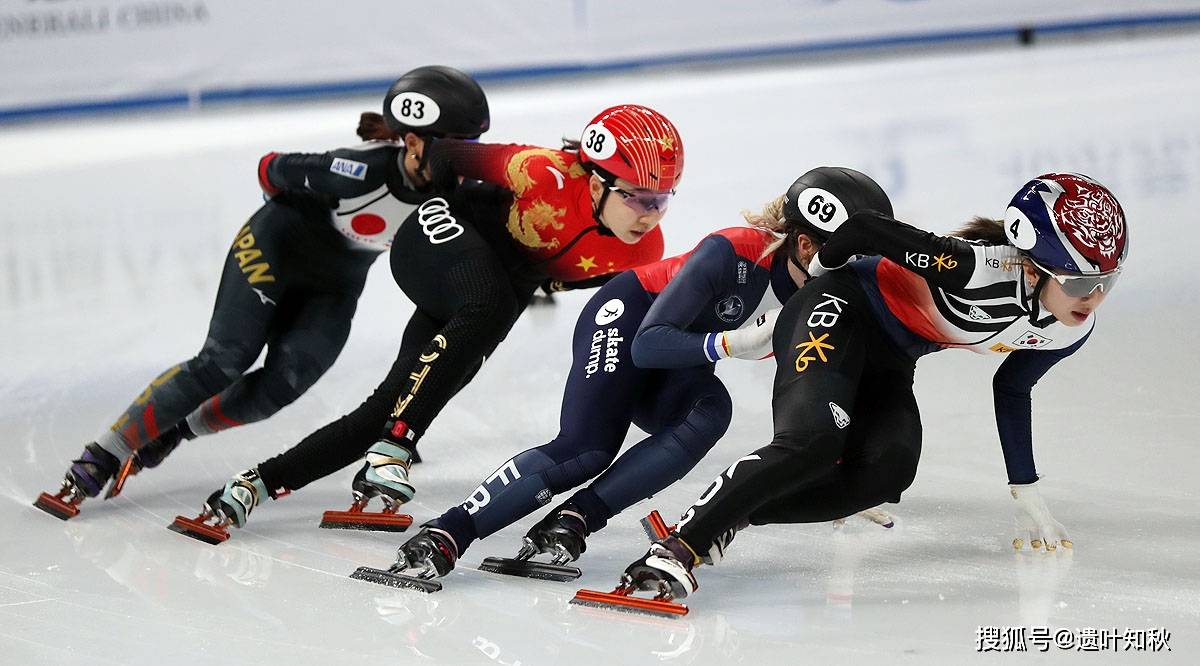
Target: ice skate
[[561, 534], [384, 475], [228, 506], [428, 555], [665, 570], [85, 478], [150, 455]]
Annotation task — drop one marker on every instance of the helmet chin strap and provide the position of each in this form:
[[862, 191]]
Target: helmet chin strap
[[797, 264], [794, 241], [1035, 305], [602, 228]]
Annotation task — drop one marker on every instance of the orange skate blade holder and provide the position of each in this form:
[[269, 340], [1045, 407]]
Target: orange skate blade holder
[[197, 528], [56, 506], [656, 528], [622, 599], [388, 520], [127, 470]]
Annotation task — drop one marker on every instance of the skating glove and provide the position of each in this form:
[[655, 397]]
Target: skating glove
[[751, 342], [1034, 522]]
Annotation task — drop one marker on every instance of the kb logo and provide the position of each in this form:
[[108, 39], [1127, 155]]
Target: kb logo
[[437, 222]]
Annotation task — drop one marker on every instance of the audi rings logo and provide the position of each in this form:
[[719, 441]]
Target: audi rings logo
[[436, 221]]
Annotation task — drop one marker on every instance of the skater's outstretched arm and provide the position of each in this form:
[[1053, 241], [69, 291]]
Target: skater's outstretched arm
[[942, 260]]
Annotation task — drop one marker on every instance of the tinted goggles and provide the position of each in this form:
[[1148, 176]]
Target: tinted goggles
[[644, 202]]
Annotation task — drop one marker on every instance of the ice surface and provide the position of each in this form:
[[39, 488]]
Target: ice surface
[[113, 236]]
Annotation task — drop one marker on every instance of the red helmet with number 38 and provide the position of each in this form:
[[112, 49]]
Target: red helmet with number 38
[[635, 143]]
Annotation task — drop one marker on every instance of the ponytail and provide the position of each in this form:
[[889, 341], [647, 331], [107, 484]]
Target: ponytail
[[984, 230], [372, 127], [771, 219]]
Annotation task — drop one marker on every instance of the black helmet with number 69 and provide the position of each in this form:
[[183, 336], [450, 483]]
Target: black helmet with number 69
[[820, 200], [437, 101]]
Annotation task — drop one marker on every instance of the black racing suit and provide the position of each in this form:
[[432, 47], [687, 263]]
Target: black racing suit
[[469, 291], [290, 283], [847, 430]]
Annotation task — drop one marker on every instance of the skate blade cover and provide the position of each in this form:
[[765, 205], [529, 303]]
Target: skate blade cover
[[200, 529], [542, 570], [387, 520], [58, 505], [393, 579], [622, 599], [118, 483]]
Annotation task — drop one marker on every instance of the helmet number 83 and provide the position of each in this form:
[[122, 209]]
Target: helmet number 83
[[825, 210], [412, 108]]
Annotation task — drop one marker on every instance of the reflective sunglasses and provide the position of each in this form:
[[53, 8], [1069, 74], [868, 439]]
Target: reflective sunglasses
[[1078, 286]]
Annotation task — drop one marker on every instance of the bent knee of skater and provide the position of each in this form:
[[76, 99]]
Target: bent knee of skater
[[578, 469], [221, 365], [712, 414], [812, 446]]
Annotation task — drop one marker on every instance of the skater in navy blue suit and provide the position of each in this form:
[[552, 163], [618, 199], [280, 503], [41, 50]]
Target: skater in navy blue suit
[[644, 351]]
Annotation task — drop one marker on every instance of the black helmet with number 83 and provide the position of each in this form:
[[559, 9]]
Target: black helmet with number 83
[[822, 199], [437, 101]]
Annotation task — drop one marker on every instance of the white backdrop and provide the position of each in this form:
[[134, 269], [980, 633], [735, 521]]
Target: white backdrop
[[65, 53]]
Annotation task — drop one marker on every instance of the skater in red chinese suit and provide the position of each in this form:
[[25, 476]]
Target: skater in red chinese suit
[[520, 216]]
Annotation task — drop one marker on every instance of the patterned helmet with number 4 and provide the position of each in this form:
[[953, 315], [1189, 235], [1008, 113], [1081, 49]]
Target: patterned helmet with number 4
[[634, 143], [1072, 228], [823, 198], [437, 101]]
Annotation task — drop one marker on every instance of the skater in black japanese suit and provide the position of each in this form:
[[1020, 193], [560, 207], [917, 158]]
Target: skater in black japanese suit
[[291, 280]]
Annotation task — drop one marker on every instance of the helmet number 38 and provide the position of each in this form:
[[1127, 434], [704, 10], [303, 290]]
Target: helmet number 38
[[598, 142]]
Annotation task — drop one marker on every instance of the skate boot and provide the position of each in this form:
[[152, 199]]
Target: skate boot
[[230, 505], [666, 570], [384, 475], [85, 478], [428, 555], [560, 534], [150, 455]]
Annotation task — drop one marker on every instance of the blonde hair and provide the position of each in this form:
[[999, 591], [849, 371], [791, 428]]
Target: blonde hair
[[769, 219]]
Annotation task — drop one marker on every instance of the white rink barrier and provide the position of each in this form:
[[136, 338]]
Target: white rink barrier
[[85, 55]]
